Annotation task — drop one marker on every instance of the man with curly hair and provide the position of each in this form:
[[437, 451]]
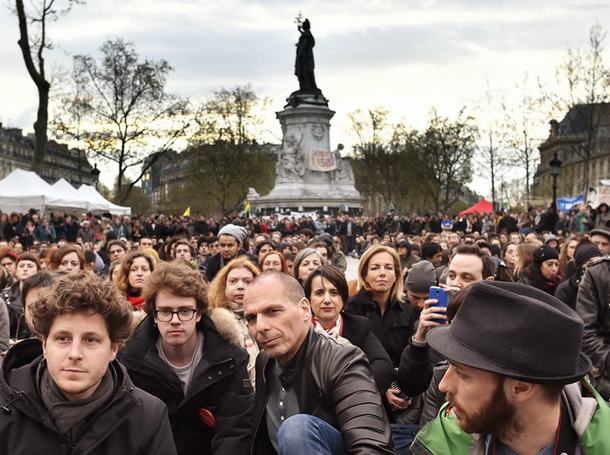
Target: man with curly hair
[[68, 394]]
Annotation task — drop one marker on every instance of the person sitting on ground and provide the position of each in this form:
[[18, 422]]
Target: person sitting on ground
[[27, 265], [69, 258], [306, 262], [313, 394], [68, 392], [227, 293], [274, 260], [522, 400], [196, 367], [327, 291], [544, 272]]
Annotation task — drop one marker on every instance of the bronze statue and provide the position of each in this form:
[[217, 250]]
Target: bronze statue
[[304, 65]]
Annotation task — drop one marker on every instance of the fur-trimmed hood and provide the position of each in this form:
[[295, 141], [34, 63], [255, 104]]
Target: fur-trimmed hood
[[227, 325]]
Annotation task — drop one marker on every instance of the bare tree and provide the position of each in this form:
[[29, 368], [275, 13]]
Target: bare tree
[[224, 157], [33, 42], [521, 121], [385, 160], [132, 120], [448, 146], [491, 154]]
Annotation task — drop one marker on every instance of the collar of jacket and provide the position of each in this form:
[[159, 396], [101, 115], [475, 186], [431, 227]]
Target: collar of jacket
[[364, 299], [294, 367]]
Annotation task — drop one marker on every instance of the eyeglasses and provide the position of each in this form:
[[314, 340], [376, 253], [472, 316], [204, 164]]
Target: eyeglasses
[[184, 314]]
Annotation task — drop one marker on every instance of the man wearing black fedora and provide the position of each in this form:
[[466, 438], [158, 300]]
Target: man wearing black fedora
[[515, 361]]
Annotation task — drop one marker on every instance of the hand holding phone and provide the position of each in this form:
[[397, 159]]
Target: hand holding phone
[[442, 299]]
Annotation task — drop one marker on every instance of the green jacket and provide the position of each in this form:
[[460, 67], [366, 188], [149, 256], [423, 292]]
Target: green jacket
[[590, 421]]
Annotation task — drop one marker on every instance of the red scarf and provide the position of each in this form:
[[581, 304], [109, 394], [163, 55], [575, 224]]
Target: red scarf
[[136, 302]]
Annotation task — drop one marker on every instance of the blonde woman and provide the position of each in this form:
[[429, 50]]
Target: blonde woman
[[380, 299]]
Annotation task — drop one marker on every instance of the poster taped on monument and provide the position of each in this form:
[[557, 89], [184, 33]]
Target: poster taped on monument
[[320, 160]]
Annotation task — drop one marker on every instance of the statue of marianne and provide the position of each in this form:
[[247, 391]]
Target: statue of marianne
[[304, 65]]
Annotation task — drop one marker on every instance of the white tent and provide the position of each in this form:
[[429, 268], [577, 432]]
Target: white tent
[[68, 199], [91, 195], [23, 190]]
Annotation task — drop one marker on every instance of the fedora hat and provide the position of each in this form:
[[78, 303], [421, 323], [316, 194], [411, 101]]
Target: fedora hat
[[515, 330]]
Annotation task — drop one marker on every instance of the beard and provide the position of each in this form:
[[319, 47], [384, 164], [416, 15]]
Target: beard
[[497, 416]]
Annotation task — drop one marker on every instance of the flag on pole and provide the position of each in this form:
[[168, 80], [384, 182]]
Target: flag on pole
[[187, 212], [247, 207]]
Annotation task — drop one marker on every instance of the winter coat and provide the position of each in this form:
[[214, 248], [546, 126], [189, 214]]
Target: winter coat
[[133, 422], [357, 330], [332, 381], [216, 262], [11, 298], [5, 328], [592, 306], [394, 328], [589, 419], [220, 385]]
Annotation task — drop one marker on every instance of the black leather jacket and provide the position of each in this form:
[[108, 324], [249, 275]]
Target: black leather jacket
[[592, 306], [334, 382]]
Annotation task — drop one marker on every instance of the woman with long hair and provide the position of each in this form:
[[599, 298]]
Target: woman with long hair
[[525, 257], [227, 293], [508, 263], [129, 278], [543, 273], [566, 253], [380, 299]]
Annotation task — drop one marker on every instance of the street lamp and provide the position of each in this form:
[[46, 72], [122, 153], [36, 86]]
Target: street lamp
[[555, 165], [95, 175]]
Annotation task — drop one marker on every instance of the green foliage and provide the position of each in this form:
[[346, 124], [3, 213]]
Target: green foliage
[[224, 158], [447, 148]]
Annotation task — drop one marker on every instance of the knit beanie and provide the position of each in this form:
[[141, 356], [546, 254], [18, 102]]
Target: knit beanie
[[420, 277], [545, 253]]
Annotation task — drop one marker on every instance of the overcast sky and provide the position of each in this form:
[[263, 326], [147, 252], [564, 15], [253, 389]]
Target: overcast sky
[[407, 56]]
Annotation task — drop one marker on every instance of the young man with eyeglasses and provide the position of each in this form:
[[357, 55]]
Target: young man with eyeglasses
[[193, 363]]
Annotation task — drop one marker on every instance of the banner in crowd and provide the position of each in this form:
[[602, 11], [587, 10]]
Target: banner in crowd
[[320, 160], [566, 203]]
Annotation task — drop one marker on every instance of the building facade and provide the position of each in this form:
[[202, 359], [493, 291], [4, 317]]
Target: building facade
[[583, 132], [17, 151]]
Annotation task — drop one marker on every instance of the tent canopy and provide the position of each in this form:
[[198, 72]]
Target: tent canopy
[[23, 190], [90, 194], [483, 206]]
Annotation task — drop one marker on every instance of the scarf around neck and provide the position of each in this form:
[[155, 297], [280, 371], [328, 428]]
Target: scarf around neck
[[71, 416]]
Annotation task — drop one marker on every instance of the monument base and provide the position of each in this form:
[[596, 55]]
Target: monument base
[[309, 176]]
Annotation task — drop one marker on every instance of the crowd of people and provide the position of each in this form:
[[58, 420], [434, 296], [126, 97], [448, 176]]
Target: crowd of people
[[191, 335]]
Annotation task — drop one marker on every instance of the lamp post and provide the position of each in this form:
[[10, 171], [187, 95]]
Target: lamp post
[[95, 175], [555, 166]]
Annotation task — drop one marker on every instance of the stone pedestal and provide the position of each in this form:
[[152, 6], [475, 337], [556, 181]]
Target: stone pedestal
[[309, 175]]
